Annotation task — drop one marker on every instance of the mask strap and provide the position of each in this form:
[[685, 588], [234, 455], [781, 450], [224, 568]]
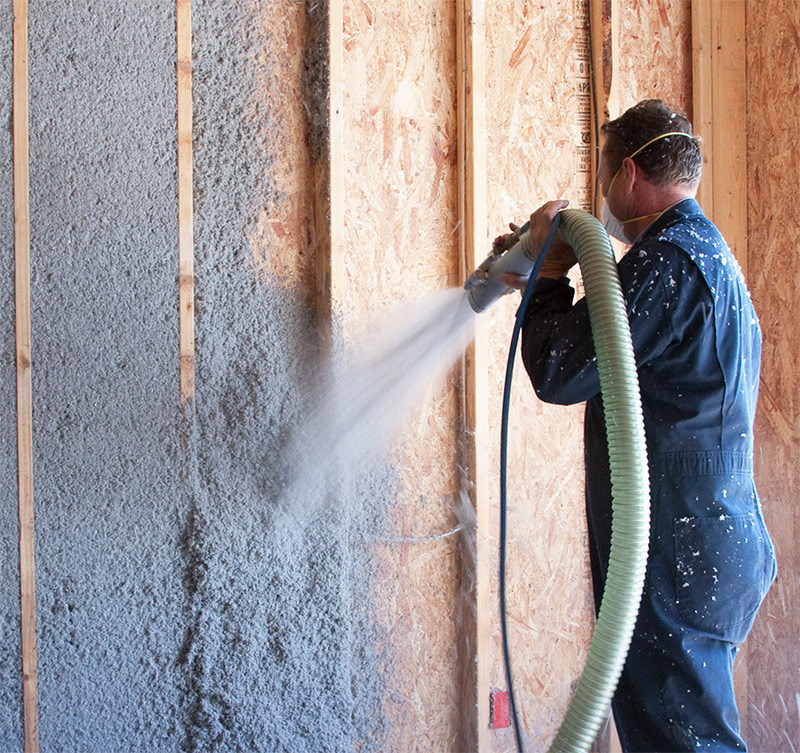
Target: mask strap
[[657, 138], [642, 217]]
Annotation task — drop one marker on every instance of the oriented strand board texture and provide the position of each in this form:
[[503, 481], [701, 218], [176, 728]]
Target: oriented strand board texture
[[655, 53], [535, 140], [178, 609], [10, 655], [400, 150], [281, 237], [400, 245], [773, 29], [534, 143]]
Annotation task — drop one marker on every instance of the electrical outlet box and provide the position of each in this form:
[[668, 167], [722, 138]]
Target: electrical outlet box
[[498, 709]]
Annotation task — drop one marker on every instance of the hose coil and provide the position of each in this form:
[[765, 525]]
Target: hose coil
[[630, 527]]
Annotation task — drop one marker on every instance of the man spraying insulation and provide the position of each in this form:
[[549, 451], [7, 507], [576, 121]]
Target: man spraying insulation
[[697, 343]]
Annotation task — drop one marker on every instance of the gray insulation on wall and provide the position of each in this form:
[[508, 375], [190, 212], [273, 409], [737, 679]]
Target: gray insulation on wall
[[182, 605]]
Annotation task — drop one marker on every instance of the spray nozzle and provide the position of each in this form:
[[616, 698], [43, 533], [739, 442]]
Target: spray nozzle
[[510, 253], [481, 274]]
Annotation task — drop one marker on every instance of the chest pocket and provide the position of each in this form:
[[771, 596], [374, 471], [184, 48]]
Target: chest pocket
[[724, 566]]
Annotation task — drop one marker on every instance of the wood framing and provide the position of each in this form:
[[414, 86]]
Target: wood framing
[[24, 390], [604, 18], [773, 75], [185, 201], [329, 182], [604, 22], [600, 42], [604, 31], [471, 95], [336, 150], [720, 110], [719, 85], [702, 103]]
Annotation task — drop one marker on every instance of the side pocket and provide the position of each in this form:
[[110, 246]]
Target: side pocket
[[721, 573]]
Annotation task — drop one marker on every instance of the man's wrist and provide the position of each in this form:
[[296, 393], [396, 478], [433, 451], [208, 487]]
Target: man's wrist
[[552, 271]]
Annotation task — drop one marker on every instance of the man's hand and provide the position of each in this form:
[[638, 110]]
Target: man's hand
[[561, 258], [504, 242]]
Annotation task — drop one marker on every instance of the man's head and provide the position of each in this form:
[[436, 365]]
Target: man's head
[[671, 160], [650, 161]]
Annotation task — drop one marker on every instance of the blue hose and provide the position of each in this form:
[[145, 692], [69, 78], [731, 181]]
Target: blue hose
[[630, 514], [512, 351]]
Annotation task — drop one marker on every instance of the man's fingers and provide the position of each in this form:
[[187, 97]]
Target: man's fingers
[[549, 210], [516, 282]]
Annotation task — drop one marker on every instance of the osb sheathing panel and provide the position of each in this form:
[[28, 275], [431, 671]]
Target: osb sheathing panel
[[534, 114], [655, 45], [281, 240], [533, 140], [773, 120], [400, 213], [400, 244], [400, 148]]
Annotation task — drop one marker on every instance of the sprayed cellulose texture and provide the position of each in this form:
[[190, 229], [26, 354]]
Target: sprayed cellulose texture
[[191, 596], [104, 292], [279, 653]]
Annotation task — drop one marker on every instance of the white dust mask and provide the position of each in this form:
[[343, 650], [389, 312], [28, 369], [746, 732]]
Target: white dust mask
[[613, 226]]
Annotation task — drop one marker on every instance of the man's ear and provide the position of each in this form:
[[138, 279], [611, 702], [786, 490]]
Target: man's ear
[[630, 170]]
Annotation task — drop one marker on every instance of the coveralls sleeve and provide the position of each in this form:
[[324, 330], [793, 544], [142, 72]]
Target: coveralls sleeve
[[557, 346]]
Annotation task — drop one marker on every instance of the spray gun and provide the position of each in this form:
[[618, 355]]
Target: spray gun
[[512, 253]]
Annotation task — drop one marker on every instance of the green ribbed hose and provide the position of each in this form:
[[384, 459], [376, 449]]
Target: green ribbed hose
[[630, 526]]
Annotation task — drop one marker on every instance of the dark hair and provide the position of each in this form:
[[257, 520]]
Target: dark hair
[[673, 159]]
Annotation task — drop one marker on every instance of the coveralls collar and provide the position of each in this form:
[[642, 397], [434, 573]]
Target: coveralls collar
[[682, 210]]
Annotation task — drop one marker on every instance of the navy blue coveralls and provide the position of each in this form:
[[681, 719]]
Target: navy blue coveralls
[[697, 343]]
